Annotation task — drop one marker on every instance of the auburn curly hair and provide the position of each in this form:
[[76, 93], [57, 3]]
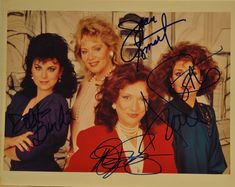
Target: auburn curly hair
[[122, 76], [186, 51]]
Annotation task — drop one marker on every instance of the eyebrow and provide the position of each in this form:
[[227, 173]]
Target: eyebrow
[[127, 93], [53, 65]]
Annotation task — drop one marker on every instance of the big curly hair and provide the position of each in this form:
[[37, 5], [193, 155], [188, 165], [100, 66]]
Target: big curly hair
[[186, 51]]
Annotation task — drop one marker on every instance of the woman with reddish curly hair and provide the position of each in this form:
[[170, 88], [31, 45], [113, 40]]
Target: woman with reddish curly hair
[[183, 73], [126, 137]]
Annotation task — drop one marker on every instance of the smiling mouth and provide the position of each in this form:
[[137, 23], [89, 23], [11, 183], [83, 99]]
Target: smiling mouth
[[43, 82], [94, 64], [133, 115]]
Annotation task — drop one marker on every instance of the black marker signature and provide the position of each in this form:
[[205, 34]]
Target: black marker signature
[[110, 158], [189, 75], [137, 40], [32, 121]]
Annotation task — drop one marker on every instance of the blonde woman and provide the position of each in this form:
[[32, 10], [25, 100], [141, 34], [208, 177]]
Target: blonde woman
[[97, 50]]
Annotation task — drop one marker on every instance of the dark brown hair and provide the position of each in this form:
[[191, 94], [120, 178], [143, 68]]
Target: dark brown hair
[[47, 46]]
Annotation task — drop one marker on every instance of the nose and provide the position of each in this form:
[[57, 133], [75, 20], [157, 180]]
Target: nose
[[134, 105], [187, 81], [44, 74], [90, 55]]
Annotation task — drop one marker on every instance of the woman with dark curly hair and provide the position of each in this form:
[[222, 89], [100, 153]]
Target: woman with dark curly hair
[[38, 116], [126, 137], [183, 73]]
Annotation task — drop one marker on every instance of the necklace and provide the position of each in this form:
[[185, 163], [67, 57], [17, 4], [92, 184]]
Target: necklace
[[128, 131], [100, 82]]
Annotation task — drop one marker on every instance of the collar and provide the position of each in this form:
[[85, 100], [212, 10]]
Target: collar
[[182, 106]]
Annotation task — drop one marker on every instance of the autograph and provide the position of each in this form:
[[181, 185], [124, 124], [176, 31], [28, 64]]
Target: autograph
[[141, 52], [110, 158], [189, 75], [177, 121], [32, 121]]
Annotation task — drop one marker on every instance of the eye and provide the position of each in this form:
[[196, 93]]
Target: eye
[[51, 69], [126, 97], [178, 74], [97, 48], [83, 52], [37, 67]]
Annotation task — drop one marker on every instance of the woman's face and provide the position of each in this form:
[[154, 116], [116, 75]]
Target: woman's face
[[95, 55], [130, 106], [186, 79], [45, 74]]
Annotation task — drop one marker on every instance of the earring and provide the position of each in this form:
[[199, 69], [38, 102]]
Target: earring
[[114, 106], [111, 54], [59, 80], [32, 77]]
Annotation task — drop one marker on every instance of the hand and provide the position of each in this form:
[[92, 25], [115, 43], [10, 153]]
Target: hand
[[22, 142], [68, 157]]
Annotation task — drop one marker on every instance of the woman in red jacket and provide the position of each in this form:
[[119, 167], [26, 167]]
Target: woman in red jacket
[[127, 136]]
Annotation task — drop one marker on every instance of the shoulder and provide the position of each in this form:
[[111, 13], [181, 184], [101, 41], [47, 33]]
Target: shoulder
[[18, 100], [57, 99], [97, 130], [205, 106], [93, 136], [82, 89], [163, 131], [19, 96], [206, 110], [55, 102]]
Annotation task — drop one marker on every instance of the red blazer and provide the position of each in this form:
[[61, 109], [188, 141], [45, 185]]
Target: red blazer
[[100, 150]]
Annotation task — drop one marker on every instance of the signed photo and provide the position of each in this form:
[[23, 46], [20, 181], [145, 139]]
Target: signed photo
[[107, 93]]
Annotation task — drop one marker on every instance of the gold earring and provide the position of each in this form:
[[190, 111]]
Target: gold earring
[[114, 106], [111, 54]]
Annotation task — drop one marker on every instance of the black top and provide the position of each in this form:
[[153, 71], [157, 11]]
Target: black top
[[48, 120]]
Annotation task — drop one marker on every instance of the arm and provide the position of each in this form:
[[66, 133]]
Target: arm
[[22, 141], [74, 122], [163, 146], [51, 131], [80, 160], [217, 163], [74, 130]]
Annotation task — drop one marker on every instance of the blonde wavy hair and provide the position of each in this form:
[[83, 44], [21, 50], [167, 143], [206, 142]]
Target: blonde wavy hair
[[95, 27]]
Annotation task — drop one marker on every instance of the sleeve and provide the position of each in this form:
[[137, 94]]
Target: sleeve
[[11, 115], [75, 116], [80, 160], [50, 122], [162, 153], [167, 161], [217, 163]]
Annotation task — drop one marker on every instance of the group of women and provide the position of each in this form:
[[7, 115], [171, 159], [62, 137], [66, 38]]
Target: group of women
[[120, 120]]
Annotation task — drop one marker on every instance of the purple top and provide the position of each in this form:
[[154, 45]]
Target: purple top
[[48, 120]]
